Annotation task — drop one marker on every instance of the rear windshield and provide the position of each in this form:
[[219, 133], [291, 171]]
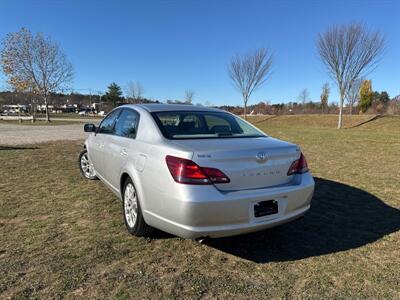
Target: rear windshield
[[203, 125]]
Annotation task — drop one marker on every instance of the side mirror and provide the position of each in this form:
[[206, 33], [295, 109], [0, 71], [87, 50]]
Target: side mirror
[[89, 128]]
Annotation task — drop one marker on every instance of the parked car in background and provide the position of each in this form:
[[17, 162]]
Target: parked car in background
[[195, 172], [84, 112]]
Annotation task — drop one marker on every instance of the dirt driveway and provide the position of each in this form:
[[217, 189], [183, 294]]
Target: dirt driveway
[[15, 134]]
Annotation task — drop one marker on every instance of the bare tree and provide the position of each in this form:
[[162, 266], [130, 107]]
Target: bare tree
[[326, 90], [349, 52], [249, 72], [134, 91], [353, 93], [189, 95], [35, 63], [130, 91], [304, 96]]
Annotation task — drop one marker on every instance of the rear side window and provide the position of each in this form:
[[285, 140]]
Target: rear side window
[[195, 125], [127, 122], [107, 125]]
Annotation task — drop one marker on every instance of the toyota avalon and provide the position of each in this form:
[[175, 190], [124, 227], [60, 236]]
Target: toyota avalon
[[195, 172]]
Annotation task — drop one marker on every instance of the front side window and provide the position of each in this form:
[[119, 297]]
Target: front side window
[[107, 125], [195, 125], [127, 122]]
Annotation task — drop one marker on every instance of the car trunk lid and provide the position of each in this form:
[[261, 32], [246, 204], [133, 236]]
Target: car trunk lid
[[250, 163]]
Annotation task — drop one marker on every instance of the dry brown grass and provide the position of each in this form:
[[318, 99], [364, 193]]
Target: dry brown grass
[[313, 121], [63, 236]]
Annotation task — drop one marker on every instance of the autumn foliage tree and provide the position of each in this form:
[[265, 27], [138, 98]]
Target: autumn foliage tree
[[35, 63], [366, 95]]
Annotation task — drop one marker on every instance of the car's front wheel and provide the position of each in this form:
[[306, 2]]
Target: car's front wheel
[[86, 166], [133, 217]]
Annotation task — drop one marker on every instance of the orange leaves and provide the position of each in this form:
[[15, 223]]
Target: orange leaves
[[34, 62]]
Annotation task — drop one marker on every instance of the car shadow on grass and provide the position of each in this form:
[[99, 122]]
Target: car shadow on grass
[[341, 218]]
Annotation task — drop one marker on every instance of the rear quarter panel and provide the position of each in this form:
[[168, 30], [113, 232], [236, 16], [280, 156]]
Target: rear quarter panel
[[147, 166]]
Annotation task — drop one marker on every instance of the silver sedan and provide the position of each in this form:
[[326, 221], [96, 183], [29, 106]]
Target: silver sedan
[[195, 172]]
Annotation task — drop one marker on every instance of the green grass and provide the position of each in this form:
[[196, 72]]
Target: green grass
[[63, 236]]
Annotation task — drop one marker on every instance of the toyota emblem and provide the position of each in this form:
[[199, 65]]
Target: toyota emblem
[[261, 156]]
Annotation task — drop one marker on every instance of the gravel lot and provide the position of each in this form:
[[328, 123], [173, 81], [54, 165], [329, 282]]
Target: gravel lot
[[15, 134]]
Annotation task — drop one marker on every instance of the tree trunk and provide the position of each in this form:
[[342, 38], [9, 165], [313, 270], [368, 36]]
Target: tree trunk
[[340, 123], [245, 110], [33, 111], [47, 109], [351, 109]]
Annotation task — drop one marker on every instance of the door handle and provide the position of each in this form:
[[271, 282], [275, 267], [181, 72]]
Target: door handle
[[123, 152]]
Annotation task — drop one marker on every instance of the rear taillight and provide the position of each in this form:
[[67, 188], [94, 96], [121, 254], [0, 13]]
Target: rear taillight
[[188, 172], [298, 166]]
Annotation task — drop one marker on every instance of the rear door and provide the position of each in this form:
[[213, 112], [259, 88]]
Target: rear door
[[118, 147]]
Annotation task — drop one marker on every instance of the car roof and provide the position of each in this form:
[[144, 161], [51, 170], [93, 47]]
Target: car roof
[[158, 107]]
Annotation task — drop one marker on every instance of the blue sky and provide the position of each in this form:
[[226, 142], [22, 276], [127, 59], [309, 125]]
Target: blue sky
[[172, 46]]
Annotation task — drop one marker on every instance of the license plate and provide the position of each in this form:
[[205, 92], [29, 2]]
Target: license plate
[[265, 208]]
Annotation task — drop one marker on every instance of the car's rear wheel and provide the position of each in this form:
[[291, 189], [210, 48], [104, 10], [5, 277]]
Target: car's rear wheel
[[133, 217], [86, 166]]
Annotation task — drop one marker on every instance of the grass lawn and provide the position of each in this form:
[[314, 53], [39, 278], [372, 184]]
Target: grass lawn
[[63, 236]]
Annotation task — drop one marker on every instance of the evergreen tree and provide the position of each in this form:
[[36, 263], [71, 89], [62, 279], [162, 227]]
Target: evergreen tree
[[384, 97], [114, 94]]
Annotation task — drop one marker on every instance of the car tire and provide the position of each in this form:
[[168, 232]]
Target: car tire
[[85, 166], [132, 211]]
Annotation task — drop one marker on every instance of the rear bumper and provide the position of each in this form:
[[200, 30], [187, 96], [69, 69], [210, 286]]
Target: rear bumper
[[204, 211]]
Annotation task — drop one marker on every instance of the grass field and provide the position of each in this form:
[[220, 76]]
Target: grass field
[[63, 236]]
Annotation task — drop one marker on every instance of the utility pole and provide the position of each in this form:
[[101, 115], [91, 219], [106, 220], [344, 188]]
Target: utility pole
[[90, 100], [101, 94]]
